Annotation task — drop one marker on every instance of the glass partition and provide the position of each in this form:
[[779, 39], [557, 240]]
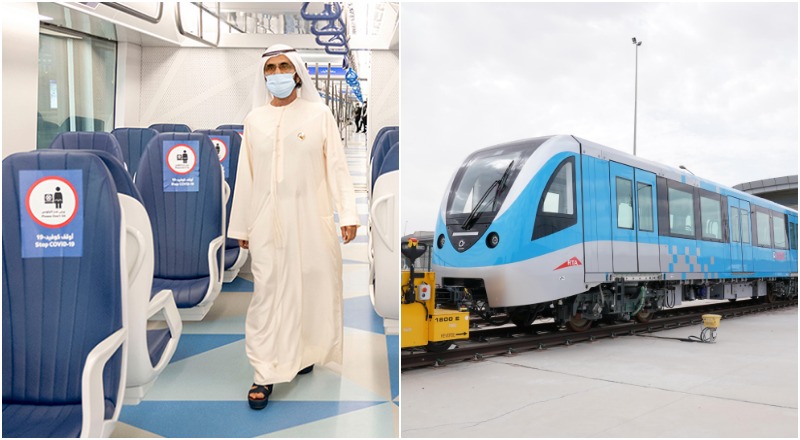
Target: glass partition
[[77, 79]]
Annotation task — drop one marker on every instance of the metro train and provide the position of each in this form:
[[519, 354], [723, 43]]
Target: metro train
[[562, 227]]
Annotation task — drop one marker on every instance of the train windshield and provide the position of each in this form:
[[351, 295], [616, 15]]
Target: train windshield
[[483, 180]]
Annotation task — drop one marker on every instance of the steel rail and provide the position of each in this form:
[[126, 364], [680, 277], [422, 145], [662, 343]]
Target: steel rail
[[510, 340]]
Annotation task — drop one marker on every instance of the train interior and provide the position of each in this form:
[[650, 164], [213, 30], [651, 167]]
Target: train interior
[[117, 77]]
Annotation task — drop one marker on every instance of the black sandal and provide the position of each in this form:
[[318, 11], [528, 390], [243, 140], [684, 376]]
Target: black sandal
[[266, 390], [306, 370]]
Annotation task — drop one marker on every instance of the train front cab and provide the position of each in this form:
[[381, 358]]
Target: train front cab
[[531, 236]]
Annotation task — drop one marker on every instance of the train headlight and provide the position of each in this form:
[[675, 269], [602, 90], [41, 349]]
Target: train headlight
[[492, 240], [440, 241]]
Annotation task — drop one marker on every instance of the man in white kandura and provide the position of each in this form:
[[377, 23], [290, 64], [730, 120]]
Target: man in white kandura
[[292, 171]]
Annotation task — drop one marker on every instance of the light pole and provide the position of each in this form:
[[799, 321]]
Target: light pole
[[635, 90], [687, 169]]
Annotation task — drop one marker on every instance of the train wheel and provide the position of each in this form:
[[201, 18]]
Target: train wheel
[[771, 296], [644, 316], [579, 324]]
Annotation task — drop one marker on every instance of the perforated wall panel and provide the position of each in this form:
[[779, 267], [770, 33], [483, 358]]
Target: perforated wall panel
[[383, 107], [201, 88]]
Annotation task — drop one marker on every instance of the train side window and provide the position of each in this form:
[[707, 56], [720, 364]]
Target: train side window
[[745, 226], [779, 231], [624, 203], [762, 229], [711, 218], [644, 196], [557, 209], [793, 235], [681, 212], [559, 193]]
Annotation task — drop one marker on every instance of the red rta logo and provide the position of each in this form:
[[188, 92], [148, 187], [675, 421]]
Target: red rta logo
[[574, 261]]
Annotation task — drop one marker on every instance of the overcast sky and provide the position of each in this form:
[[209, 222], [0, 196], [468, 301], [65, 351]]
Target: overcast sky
[[717, 86]]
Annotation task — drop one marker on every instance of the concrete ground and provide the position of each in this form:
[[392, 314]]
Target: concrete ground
[[744, 385]]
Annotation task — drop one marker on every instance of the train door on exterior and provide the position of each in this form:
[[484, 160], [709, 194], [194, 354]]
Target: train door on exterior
[[634, 233], [793, 242], [741, 242], [623, 227], [734, 214], [646, 222], [747, 239]]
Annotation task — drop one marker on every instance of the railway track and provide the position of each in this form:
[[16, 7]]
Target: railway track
[[505, 340]]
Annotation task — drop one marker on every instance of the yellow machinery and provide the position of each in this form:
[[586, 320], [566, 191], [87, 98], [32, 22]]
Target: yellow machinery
[[421, 322]]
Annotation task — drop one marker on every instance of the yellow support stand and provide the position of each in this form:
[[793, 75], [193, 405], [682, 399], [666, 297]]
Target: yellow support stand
[[710, 325]]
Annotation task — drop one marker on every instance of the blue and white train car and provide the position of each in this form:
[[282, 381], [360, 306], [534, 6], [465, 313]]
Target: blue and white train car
[[562, 226]]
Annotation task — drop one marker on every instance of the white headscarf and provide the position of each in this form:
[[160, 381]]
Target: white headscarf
[[307, 91]]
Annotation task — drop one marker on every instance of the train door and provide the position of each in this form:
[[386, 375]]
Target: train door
[[746, 239], [734, 214], [623, 228], [793, 243], [646, 219]]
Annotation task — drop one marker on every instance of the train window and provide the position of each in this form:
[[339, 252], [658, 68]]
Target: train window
[[557, 208], [735, 236], [559, 194], [483, 170], [762, 229], [624, 203], [681, 212], [779, 231], [793, 235], [644, 196], [711, 218], [745, 226]]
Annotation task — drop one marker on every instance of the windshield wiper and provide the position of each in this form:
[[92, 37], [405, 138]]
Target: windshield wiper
[[500, 184]]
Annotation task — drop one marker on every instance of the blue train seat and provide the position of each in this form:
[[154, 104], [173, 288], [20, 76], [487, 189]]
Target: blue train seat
[[378, 137], [181, 183], [64, 339], [385, 138], [88, 140], [381, 147], [235, 257], [238, 127], [383, 213], [171, 128], [149, 351], [132, 142]]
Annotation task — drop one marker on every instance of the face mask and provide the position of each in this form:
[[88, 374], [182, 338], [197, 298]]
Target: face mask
[[281, 84]]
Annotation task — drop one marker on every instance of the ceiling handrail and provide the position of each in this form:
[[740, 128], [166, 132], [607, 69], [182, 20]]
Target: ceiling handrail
[[336, 40], [332, 28], [331, 11]]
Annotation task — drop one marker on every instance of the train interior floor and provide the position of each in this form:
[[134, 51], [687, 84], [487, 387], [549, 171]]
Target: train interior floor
[[203, 391], [744, 385]]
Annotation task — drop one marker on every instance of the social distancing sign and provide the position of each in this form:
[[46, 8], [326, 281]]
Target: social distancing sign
[[221, 144], [51, 213], [181, 166]]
